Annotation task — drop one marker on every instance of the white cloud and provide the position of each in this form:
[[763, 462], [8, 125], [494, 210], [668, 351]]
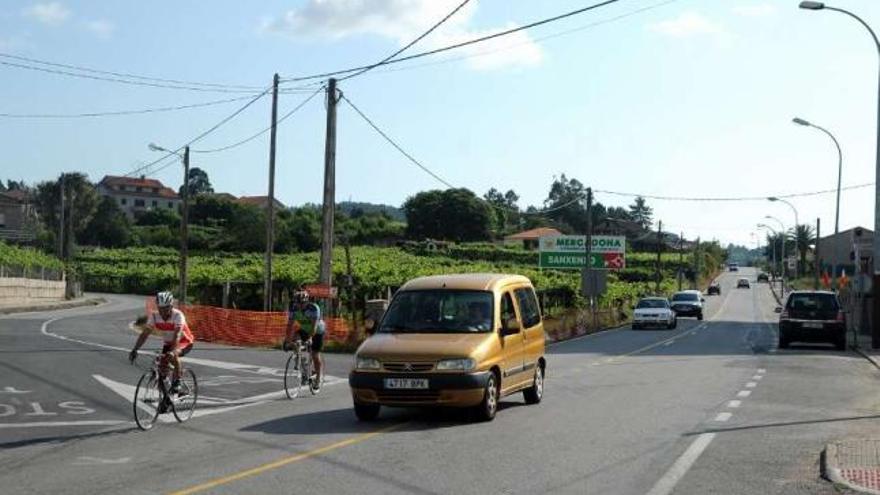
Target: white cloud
[[102, 28], [687, 24], [52, 14], [757, 10], [402, 21]]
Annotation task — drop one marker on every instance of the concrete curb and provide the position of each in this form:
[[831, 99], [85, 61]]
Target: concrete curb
[[548, 342], [831, 472], [871, 359], [52, 307]]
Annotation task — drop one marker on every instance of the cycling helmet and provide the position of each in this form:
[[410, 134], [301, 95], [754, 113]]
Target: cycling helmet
[[165, 299], [301, 296]]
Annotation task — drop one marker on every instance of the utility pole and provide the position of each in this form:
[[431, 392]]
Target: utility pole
[[697, 263], [69, 239], [588, 260], [680, 259], [659, 249], [184, 230], [61, 221], [816, 265], [326, 272], [270, 202]]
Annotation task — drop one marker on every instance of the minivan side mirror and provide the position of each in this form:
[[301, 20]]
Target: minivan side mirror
[[778, 309], [510, 327]]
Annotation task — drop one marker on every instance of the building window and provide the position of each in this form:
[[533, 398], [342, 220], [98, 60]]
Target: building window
[[139, 202], [155, 203], [2, 220], [171, 204], [155, 190], [123, 201], [140, 189]]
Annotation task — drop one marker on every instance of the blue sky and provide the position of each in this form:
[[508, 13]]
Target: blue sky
[[687, 98]]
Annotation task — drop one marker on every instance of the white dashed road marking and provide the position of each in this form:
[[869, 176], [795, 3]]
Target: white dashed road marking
[[723, 416], [734, 404], [744, 393], [751, 384]]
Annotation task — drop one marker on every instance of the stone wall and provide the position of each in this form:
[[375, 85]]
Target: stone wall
[[25, 291]]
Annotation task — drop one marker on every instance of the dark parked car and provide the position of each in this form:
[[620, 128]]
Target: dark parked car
[[714, 289], [812, 316], [688, 303], [763, 277], [743, 283]]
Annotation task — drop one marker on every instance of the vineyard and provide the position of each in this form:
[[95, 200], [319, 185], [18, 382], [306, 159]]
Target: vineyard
[[374, 270], [30, 259]]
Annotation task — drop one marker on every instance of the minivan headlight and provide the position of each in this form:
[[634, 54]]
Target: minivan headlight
[[367, 363], [457, 364]]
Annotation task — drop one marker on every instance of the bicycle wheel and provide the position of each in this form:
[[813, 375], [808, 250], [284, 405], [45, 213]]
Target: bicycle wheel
[[184, 403], [147, 397], [292, 381]]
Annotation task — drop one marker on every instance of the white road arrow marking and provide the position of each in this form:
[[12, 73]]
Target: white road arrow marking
[[85, 460], [12, 390], [127, 391]]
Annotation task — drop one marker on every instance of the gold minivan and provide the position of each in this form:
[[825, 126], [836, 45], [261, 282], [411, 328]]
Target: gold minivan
[[453, 340]]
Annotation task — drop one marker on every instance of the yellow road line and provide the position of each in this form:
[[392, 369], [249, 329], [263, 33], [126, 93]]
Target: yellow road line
[[283, 462]]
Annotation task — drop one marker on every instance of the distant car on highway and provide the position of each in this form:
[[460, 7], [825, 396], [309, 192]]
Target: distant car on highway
[[654, 311], [688, 303], [714, 289], [734, 267], [763, 277], [743, 283], [812, 316]]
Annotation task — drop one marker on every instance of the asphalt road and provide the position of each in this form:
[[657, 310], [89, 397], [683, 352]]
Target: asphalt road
[[710, 407]]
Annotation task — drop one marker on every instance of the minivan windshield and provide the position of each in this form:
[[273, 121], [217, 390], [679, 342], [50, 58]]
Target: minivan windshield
[[439, 311], [652, 304], [685, 296]]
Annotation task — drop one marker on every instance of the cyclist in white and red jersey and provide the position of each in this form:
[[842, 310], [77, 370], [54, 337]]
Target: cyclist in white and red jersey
[[170, 323]]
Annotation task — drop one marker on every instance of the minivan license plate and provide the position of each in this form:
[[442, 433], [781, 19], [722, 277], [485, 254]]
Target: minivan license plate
[[812, 324], [406, 383]]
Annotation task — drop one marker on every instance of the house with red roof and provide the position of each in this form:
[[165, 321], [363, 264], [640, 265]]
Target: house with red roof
[[136, 195]]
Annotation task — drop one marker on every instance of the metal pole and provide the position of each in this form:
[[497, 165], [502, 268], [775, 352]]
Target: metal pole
[[816, 264], [184, 229], [590, 287], [270, 202], [61, 220], [680, 258], [659, 249], [326, 271], [875, 331]]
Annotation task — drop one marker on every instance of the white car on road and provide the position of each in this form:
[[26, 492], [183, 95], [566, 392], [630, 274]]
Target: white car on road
[[654, 311]]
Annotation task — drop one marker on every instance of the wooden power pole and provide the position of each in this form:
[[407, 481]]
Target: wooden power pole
[[270, 202], [326, 271], [61, 221], [184, 230], [680, 260], [659, 250]]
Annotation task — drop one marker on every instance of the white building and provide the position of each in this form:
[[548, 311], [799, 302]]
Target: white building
[[138, 194]]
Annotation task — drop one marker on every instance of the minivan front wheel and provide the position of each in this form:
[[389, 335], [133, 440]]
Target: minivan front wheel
[[489, 406], [535, 393]]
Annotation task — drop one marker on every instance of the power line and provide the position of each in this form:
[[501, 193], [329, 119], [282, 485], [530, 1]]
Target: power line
[[124, 74], [460, 45], [536, 40], [200, 136], [732, 199], [119, 112], [411, 43], [251, 138], [440, 179], [122, 81]]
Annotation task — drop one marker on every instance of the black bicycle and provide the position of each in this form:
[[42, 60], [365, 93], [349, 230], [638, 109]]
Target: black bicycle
[[153, 395], [299, 370]]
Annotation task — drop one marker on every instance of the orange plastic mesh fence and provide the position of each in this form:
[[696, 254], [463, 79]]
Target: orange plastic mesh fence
[[246, 328]]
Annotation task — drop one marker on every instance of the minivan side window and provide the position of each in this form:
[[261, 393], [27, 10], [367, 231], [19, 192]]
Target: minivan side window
[[507, 311], [528, 306]]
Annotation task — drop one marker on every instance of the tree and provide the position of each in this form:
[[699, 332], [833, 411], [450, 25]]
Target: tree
[[298, 229], [641, 213], [108, 227], [566, 204], [211, 211], [81, 200], [198, 183], [12, 185], [505, 209], [159, 216], [804, 238], [452, 214]]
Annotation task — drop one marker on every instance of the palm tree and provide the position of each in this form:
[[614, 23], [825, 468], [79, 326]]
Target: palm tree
[[804, 238]]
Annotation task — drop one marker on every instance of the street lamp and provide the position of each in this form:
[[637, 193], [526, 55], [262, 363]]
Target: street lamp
[[773, 248], [781, 233], [184, 217], [774, 199], [875, 333]]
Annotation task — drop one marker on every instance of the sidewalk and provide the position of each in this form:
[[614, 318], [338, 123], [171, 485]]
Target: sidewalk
[[51, 306], [854, 464]]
